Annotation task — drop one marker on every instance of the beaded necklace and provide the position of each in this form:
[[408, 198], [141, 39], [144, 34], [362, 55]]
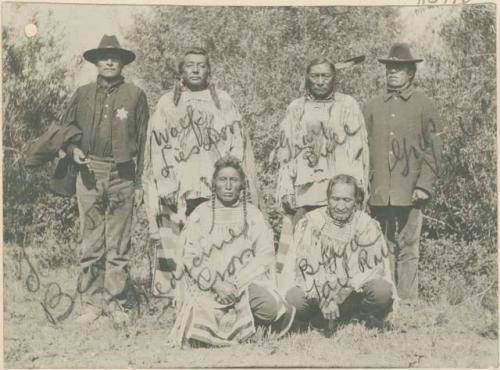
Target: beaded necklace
[[339, 222]]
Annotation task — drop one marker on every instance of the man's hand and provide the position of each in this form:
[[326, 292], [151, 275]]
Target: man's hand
[[138, 198], [226, 292], [419, 196], [79, 157], [288, 202], [330, 310]]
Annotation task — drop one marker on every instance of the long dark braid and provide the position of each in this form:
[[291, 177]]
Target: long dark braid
[[177, 92], [213, 196], [245, 212], [214, 96]]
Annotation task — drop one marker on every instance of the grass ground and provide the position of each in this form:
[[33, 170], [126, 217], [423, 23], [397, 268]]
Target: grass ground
[[431, 335]]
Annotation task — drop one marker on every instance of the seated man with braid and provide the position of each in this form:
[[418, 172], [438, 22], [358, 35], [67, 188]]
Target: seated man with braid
[[228, 261], [194, 125], [337, 266]]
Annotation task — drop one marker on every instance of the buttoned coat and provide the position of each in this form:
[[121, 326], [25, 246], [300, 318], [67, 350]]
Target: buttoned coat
[[405, 146]]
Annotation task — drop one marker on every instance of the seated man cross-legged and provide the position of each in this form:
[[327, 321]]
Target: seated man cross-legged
[[229, 260], [337, 267]]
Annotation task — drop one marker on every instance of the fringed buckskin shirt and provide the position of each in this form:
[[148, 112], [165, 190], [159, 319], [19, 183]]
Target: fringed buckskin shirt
[[226, 252], [318, 140], [185, 141], [329, 261]]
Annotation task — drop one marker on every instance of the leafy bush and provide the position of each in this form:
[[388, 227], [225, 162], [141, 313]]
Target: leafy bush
[[35, 85], [443, 262], [258, 55], [463, 83], [55, 229]]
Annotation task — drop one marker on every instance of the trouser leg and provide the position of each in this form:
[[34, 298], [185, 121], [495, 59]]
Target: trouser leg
[[385, 217], [92, 208], [375, 300], [263, 304], [307, 310], [119, 215], [402, 227], [270, 310], [407, 263]]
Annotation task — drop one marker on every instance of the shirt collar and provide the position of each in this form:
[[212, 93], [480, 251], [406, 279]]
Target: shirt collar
[[109, 85], [404, 94], [329, 98], [218, 204]]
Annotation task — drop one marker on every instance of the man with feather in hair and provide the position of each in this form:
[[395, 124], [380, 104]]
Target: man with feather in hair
[[322, 135]]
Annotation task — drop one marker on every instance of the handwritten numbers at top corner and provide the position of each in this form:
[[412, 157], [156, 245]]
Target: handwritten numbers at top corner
[[443, 2]]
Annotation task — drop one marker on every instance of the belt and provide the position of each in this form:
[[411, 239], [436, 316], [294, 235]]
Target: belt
[[101, 159]]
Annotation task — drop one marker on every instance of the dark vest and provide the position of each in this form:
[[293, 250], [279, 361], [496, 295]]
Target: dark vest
[[123, 125]]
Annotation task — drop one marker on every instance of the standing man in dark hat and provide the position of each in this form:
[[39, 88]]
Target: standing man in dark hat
[[112, 115], [405, 152]]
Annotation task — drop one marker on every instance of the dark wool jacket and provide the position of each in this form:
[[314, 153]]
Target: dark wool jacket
[[46, 148], [128, 127], [405, 146]]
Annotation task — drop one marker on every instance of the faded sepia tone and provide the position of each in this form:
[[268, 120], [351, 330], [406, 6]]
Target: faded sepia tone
[[258, 58]]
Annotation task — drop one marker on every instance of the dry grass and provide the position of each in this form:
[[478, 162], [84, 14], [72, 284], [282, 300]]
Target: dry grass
[[432, 335]]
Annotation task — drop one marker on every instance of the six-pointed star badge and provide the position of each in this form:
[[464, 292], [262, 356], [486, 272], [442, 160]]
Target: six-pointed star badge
[[122, 113]]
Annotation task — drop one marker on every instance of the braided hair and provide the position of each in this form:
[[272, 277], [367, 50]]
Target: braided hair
[[232, 162]]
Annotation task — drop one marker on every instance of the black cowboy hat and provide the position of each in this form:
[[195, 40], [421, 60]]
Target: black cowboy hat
[[107, 44], [400, 53]]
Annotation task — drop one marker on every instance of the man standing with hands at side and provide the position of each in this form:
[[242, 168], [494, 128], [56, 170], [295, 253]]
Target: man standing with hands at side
[[112, 115], [405, 153], [193, 126], [323, 134]]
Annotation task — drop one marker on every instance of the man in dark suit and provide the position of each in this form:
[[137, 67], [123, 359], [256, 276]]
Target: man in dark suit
[[112, 116], [405, 152]]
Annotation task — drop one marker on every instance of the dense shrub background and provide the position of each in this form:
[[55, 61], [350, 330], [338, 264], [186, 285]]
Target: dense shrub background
[[35, 87], [258, 55], [464, 86]]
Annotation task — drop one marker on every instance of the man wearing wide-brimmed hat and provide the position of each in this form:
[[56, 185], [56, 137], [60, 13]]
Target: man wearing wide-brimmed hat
[[405, 152], [112, 115]]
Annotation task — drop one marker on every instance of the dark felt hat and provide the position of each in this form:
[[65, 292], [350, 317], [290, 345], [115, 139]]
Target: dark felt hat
[[400, 53], [107, 44]]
